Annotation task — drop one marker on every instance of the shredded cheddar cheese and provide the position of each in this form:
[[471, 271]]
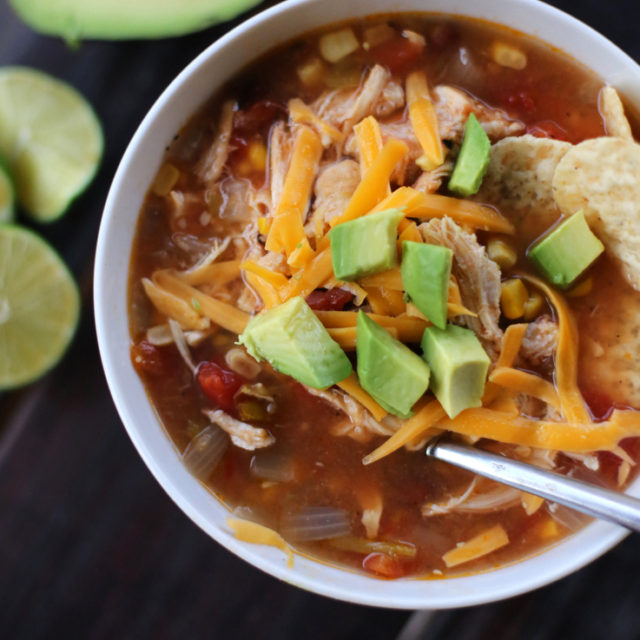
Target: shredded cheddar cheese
[[524, 382], [351, 385], [254, 533], [223, 314], [421, 424], [424, 121], [416, 204], [373, 186], [369, 140], [286, 231], [573, 406], [313, 275], [481, 545]]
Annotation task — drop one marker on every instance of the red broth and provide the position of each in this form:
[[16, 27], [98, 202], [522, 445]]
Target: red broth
[[554, 97]]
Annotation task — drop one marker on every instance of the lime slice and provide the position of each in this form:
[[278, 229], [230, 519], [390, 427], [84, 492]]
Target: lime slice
[[39, 306], [51, 139], [6, 197]]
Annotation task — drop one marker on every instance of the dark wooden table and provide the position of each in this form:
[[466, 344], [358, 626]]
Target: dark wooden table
[[91, 547]]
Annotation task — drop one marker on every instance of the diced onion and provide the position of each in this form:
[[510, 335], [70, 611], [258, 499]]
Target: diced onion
[[276, 467], [205, 451], [181, 344], [317, 523], [241, 362], [160, 336], [338, 44]]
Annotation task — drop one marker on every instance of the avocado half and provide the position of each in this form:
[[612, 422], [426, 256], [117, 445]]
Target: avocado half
[[122, 19]]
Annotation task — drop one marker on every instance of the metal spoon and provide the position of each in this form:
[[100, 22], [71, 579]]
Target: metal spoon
[[581, 496]]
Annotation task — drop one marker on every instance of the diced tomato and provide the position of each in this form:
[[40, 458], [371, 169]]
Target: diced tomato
[[218, 384], [548, 129], [331, 300], [149, 358], [384, 565], [256, 119], [599, 404], [398, 54]]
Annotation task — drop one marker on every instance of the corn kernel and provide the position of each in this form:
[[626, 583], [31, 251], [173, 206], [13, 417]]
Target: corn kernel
[[507, 56], [311, 73], [377, 34], [502, 253], [533, 306], [263, 226], [165, 180], [581, 289], [548, 529], [513, 297], [338, 44], [257, 156]]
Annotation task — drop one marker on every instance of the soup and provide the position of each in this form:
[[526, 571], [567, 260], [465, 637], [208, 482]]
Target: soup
[[332, 266]]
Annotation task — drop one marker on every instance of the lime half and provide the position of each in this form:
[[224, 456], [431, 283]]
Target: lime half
[[51, 139], [7, 199], [39, 306]]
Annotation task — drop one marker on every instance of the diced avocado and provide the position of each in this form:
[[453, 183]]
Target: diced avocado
[[120, 19], [366, 245], [472, 161], [459, 367], [567, 251], [388, 370], [292, 339], [426, 269]]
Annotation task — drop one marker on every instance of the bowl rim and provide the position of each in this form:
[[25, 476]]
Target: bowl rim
[[503, 582]]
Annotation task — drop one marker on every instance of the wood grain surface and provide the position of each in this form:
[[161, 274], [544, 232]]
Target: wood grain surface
[[91, 547]]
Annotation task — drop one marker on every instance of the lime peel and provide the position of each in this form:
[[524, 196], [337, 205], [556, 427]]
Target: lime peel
[[39, 306], [51, 138]]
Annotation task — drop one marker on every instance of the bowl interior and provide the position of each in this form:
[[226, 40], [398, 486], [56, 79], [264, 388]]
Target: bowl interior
[[137, 169]]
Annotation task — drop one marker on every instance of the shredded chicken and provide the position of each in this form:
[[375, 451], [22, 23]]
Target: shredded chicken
[[430, 181], [210, 166], [478, 278], [242, 363], [378, 95], [371, 504], [242, 435], [361, 424], [540, 341], [498, 498], [334, 186], [391, 100], [453, 107], [279, 148]]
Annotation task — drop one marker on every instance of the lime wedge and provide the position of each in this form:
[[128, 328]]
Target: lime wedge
[[51, 139], [7, 197], [39, 306]]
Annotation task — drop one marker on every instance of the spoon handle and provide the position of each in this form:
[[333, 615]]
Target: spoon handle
[[581, 496]]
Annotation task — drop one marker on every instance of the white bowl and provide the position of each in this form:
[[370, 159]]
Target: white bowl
[[186, 93]]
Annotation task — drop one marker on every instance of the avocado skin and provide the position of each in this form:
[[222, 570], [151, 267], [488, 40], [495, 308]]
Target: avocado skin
[[74, 20], [426, 269], [472, 161], [459, 367], [566, 252], [366, 245], [294, 341], [388, 370]]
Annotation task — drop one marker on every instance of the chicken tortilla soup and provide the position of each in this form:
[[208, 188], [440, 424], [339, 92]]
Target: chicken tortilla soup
[[380, 232]]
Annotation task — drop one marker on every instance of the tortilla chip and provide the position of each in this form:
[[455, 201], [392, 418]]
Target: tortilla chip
[[518, 181], [615, 122], [609, 357], [602, 177]]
